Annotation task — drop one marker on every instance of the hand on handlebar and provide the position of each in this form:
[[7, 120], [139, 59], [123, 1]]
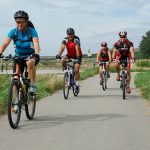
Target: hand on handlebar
[[58, 56], [132, 60], [1, 55], [35, 55], [78, 59]]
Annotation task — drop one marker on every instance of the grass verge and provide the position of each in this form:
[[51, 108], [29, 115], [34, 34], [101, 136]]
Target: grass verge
[[46, 85], [143, 83]]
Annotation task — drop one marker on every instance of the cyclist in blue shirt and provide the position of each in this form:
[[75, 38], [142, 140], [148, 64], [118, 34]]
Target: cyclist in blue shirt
[[26, 43]]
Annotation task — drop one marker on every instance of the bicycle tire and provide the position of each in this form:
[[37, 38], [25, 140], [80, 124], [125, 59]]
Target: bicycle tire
[[31, 101], [103, 85], [66, 85], [123, 86], [14, 87]]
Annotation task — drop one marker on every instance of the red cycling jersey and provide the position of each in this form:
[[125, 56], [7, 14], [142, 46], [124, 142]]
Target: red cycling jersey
[[70, 45], [123, 49], [104, 55]]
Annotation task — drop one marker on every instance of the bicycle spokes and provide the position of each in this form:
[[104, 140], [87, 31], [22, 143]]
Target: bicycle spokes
[[30, 106], [66, 86], [14, 105]]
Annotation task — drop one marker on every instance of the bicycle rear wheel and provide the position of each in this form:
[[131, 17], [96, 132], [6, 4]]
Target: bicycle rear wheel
[[123, 86], [14, 104], [30, 106], [66, 86]]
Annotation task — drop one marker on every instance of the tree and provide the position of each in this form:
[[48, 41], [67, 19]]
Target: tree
[[145, 46]]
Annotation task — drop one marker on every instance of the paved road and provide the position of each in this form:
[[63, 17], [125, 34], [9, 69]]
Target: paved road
[[96, 120]]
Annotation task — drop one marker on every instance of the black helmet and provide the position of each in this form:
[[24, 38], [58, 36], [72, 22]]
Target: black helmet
[[21, 14], [103, 44], [70, 31]]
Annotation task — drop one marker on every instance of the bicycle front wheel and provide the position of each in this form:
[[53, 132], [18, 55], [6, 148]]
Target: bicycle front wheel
[[14, 105], [66, 86], [105, 81], [30, 106], [104, 86], [123, 86]]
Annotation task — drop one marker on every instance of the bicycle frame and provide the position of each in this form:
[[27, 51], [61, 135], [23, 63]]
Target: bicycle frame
[[123, 76], [71, 73], [23, 80], [104, 85]]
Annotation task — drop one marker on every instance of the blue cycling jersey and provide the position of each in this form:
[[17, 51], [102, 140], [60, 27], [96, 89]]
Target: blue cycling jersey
[[23, 41]]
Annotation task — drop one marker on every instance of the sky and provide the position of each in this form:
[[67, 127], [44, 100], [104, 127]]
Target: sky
[[94, 21]]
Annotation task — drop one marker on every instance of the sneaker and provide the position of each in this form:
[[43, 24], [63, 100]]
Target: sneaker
[[77, 89], [118, 77], [108, 75], [101, 82], [128, 89], [32, 89]]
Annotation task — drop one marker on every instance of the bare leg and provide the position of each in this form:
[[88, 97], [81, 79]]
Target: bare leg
[[31, 70], [117, 71], [77, 74], [100, 73]]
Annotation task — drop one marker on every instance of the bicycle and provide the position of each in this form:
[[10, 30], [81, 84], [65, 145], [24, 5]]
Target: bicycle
[[104, 74], [69, 82], [19, 97], [123, 77]]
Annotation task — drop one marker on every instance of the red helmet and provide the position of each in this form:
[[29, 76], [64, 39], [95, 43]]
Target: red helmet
[[103, 44], [123, 34]]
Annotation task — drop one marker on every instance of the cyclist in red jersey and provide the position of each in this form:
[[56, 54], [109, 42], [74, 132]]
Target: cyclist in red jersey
[[123, 50], [72, 44], [104, 55]]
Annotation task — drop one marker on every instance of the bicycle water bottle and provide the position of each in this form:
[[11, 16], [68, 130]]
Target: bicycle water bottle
[[24, 88], [23, 85]]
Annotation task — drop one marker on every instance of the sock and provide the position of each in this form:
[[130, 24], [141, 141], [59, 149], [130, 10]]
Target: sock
[[32, 84], [77, 83]]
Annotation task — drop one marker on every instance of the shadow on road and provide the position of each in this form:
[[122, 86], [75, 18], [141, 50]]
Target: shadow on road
[[108, 97], [50, 121]]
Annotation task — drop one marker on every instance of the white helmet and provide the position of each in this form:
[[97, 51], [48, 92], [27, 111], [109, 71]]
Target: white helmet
[[123, 33]]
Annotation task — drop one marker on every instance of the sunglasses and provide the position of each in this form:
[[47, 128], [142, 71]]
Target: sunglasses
[[122, 37], [70, 34], [20, 22]]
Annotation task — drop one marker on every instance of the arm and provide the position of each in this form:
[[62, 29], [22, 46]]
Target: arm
[[5, 44], [114, 52], [132, 52], [36, 45], [62, 48], [77, 47], [109, 54], [98, 57]]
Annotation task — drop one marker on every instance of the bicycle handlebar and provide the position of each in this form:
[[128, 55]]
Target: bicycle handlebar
[[6, 58], [103, 62], [69, 60], [123, 61]]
